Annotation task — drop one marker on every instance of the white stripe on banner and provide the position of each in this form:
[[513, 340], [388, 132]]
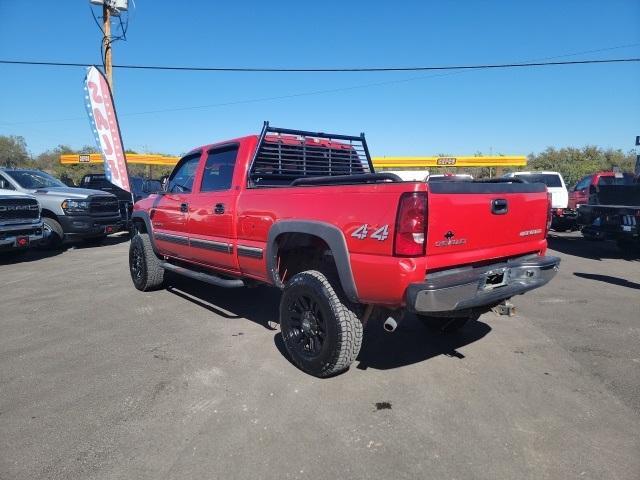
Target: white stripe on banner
[[104, 124]]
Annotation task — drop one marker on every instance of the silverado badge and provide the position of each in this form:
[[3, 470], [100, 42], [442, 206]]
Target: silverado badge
[[449, 240]]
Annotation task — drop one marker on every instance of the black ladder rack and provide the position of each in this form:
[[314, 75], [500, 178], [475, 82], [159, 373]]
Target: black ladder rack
[[284, 155]]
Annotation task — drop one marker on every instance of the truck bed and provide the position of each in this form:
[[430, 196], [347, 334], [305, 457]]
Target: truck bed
[[461, 228]]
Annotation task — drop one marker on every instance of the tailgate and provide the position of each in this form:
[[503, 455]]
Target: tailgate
[[477, 221]]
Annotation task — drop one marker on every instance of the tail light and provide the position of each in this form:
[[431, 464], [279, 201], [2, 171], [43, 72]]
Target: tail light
[[549, 216], [411, 225]]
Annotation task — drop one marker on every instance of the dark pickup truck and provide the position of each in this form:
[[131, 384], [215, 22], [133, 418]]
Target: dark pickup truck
[[141, 187], [613, 215]]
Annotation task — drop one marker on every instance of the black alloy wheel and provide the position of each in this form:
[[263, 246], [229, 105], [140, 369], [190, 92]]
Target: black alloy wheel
[[320, 329]]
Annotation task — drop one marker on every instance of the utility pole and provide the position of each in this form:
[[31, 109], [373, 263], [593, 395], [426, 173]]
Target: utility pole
[[106, 16]]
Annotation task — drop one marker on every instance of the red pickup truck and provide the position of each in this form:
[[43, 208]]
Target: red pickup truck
[[582, 193], [306, 213]]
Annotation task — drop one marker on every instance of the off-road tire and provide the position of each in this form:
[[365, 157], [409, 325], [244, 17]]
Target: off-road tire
[[444, 325], [144, 265], [56, 234], [333, 315]]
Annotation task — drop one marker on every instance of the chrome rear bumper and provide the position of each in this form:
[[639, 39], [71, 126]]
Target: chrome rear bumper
[[474, 287]]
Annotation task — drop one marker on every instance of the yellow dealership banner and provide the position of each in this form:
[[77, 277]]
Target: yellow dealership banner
[[450, 161], [378, 162], [132, 158]]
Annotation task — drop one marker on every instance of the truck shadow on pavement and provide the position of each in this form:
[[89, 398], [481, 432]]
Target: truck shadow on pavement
[[413, 343], [258, 304], [410, 343], [574, 244], [35, 254], [608, 279]]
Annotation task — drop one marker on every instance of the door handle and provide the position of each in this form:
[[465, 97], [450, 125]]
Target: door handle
[[499, 206], [184, 207], [218, 209]]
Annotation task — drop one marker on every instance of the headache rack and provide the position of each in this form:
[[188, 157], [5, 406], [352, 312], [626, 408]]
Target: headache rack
[[284, 156]]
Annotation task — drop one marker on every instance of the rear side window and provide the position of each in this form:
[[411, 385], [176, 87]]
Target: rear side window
[[181, 179], [548, 179], [218, 170]]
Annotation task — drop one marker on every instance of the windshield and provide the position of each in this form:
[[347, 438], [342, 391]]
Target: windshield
[[624, 179], [33, 179], [549, 179]]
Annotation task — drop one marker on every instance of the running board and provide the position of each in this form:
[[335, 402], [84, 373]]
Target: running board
[[204, 277]]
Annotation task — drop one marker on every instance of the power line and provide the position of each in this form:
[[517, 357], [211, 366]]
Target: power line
[[332, 70], [317, 92]]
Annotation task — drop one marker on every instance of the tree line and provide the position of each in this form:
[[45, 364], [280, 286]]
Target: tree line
[[572, 162], [15, 154]]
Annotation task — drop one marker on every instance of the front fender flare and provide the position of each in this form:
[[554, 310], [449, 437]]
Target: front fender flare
[[144, 217]]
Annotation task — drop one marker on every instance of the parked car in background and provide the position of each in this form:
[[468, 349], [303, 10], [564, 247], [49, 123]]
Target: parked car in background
[[583, 192], [67, 212], [613, 213], [20, 222], [450, 177], [306, 213], [410, 175], [562, 217], [141, 187]]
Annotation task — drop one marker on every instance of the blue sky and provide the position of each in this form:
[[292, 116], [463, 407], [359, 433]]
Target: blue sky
[[501, 111]]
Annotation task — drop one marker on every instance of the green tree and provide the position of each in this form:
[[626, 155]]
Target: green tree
[[13, 151], [574, 163]]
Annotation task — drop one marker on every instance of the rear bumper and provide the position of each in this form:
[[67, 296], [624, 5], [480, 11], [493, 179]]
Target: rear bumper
[[461, 289]]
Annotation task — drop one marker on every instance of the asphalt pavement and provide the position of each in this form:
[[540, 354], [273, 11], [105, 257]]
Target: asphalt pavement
[[100, 381]]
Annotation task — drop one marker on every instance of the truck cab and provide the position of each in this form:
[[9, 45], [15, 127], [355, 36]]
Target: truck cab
[[583, 191]]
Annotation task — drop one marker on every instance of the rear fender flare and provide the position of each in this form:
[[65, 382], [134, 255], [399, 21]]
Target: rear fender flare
[[331, 235]]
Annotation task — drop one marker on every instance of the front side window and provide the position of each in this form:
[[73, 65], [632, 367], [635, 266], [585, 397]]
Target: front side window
[[33, 179], [584, 183], [218, 171], [181, 180], [5, 184]]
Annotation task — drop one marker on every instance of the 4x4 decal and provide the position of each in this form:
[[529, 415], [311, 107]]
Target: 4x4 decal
[[380, 234]]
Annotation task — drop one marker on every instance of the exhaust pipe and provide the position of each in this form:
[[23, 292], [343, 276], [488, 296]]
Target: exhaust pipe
[[390, 325]]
